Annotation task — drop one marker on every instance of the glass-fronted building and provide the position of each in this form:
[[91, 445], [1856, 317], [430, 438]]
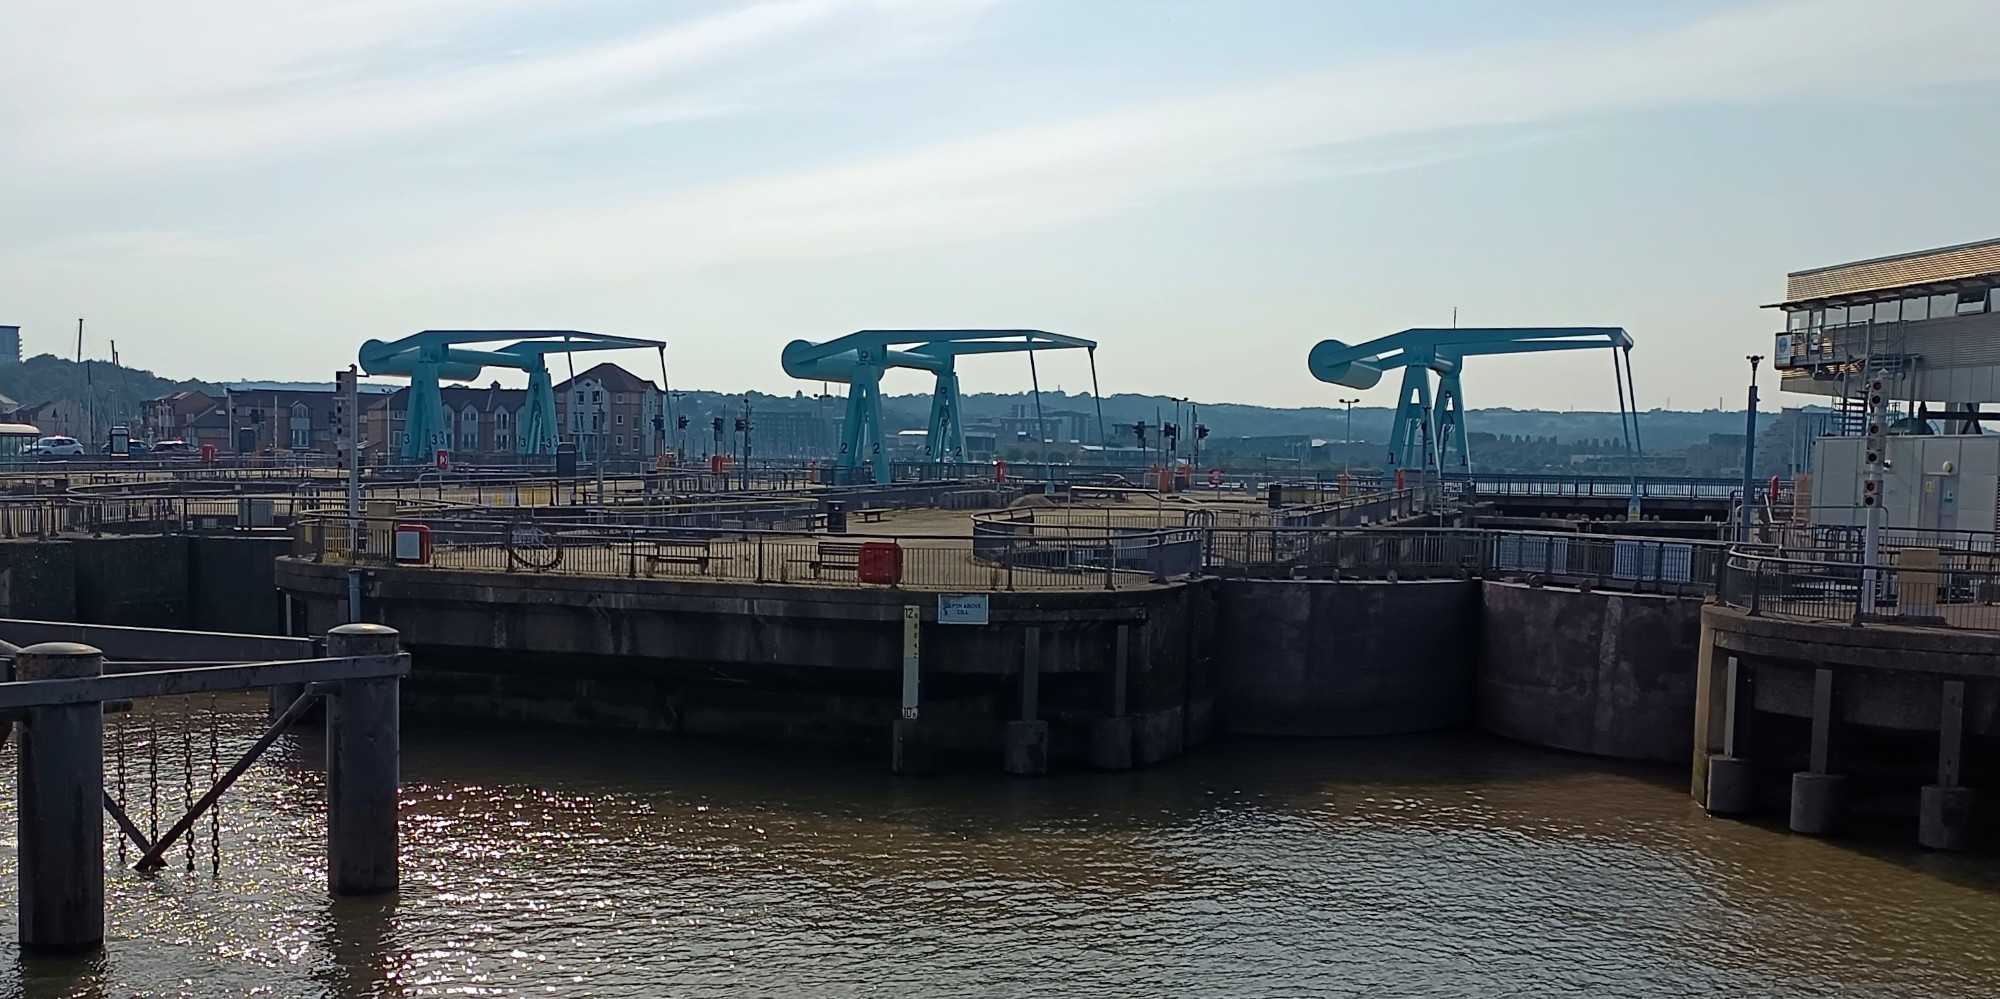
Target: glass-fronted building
[[1927, 321]]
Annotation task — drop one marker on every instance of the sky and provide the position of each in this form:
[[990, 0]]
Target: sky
[[237, 189]]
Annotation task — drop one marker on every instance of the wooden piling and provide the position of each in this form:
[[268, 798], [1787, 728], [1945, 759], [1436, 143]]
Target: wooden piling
[[61, 822], [363, 755]]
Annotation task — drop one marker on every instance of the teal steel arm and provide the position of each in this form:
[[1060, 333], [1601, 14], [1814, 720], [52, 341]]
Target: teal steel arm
[[859, 360], [1428, 426]]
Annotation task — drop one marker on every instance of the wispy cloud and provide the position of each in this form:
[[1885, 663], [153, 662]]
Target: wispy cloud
[[1031, 178], [278, 77]]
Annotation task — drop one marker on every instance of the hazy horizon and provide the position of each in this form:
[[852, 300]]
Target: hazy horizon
[[238, 190]]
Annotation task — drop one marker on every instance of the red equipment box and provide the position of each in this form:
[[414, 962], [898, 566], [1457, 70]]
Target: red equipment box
[[412, 543], [880, 562]]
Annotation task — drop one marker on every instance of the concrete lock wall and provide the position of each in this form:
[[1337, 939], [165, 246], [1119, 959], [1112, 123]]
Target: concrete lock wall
[[799, 663], [200, 582], [1610, 674], [139, 581], [37, 580], [1322, 658], [232, 583]]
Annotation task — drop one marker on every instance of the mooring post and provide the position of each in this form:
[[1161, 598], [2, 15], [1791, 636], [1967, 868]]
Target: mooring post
[[363, 754], [61, 823]]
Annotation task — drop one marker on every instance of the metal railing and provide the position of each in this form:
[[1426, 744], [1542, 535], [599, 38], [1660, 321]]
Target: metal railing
[[1079, 559], [1604, 486], [1639, 564], [1353, 510], [49, 516], [1833, 589], [1017, 554]]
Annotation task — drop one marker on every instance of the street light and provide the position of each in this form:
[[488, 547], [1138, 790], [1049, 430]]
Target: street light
[[1749, 450], [1347, 453]]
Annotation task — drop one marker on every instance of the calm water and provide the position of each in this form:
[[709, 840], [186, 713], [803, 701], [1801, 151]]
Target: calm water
[[566, 864]]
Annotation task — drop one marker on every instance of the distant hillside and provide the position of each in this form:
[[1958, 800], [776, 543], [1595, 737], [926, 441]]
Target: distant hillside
[[113, 394], [1659, 429]]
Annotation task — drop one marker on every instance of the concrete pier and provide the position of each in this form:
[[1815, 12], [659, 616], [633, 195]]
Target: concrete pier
[[1026, 748], [807, 665], [1817, 800], [363, 760], [911, 753], [1817, 795], [1111, 743], [1944, 809], [1944, 817], [1731, 783], [1025, 743], [1732, 786], [61, 822]]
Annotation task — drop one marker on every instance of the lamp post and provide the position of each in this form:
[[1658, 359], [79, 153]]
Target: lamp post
[[1749, 451], [1346, 453]]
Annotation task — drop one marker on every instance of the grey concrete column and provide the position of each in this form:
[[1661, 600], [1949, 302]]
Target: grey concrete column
[[1732, 780], [910, 751], [1111, 736], [1944, 809], [1111, 743], [1944, 817], [1025, 742], [363, 759], [1818, 796], [61, 823]]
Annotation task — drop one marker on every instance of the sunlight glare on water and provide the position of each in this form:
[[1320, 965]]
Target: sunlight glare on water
[[572, 864]]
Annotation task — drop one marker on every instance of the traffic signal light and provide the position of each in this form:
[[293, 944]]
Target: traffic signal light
[[718, 427], [742, 425], [659, 423], [1139, 431], [682, 423], [1201, 431], [1875, 447]]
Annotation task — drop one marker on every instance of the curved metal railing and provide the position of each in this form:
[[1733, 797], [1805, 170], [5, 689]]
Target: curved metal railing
[[471, 541], [1915, 587]]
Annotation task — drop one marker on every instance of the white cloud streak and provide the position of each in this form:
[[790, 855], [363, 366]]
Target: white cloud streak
[[123, 85], [1033, 178]]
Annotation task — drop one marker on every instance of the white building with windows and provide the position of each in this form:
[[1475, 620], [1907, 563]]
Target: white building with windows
[[1926, 324]]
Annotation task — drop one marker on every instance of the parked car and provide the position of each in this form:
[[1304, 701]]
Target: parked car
[[56, 447], [131, 447], [173, 449]]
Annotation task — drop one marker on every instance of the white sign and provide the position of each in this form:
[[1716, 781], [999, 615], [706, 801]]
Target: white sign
[[961, 608]]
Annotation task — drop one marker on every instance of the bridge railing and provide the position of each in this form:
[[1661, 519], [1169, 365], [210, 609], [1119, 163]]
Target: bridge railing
[[1915, 587]]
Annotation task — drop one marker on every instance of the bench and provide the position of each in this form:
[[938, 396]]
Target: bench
[[833, 555], [694, 553], [871, 516]]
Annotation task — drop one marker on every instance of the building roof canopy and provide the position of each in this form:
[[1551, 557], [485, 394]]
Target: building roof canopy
[[1967, 264]]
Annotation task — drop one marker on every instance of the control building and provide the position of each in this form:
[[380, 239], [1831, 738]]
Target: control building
[[1927, 325]]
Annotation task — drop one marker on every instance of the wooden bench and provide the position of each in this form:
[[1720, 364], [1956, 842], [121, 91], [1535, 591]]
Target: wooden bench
[[694, 553], [871, 516], [833, 555]]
